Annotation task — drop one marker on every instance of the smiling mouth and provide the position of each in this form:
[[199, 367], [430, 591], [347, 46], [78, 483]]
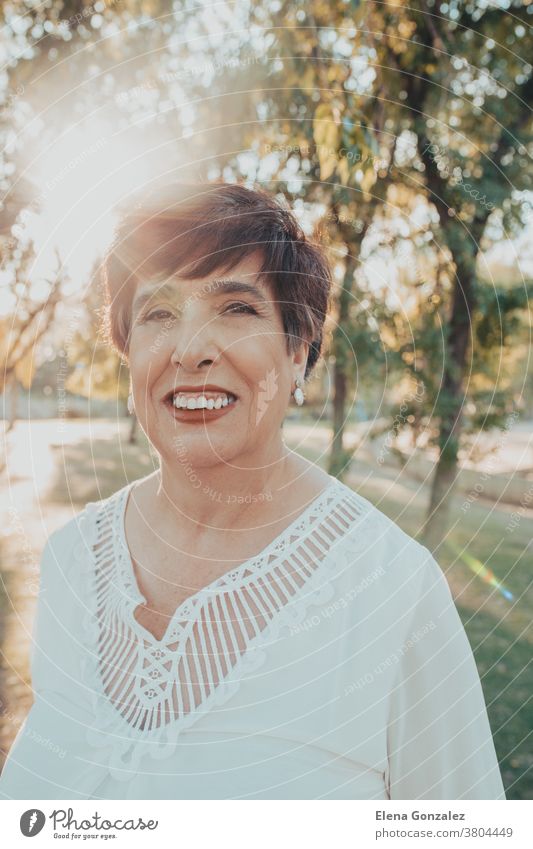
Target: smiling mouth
[[200, 401]]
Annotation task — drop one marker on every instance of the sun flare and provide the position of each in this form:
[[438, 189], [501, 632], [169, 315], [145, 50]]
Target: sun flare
[[81, 178]]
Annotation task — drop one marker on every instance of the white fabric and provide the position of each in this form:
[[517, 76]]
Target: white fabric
[[331, 666]]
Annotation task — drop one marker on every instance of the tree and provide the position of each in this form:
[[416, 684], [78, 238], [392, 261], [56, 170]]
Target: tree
[[470, 119], [444, 99]]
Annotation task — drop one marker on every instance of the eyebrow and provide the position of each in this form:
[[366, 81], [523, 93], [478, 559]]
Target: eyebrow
[[221, 287]]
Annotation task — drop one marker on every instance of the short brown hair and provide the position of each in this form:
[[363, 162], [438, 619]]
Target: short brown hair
[[209, 226]]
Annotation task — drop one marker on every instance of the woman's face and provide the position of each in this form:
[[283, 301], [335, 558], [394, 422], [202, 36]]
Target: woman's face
[[194, 335]]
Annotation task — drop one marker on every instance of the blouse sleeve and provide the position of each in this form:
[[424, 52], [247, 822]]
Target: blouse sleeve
[[439, 739], [48, 758]]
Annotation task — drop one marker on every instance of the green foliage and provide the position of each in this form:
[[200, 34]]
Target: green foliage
[[382, 107]]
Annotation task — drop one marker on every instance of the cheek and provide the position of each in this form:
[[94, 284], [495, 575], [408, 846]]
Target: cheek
[[263, 363], [146, 359], [259, 354]]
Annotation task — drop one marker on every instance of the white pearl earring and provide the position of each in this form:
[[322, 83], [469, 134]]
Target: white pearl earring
[[298, 394], [131, 408]]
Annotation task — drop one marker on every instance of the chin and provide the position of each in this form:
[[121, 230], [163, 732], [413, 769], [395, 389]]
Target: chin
[[197, 451]]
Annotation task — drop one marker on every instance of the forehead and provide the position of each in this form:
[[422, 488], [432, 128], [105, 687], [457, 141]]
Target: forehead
[[244, 278]]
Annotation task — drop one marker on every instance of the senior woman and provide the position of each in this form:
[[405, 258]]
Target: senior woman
[[239, 624]]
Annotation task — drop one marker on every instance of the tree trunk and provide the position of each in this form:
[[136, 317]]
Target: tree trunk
[[133, 430], [13, 403], [337, 455], [442, 488], [339, 458], [451, 404]]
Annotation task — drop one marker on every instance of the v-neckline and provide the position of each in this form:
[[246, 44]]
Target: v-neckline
[[147, 692], [192, 601]]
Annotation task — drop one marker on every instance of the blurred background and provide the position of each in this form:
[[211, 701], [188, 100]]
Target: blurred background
[[401, 136]]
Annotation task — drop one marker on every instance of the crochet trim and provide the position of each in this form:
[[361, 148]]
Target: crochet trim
[[327, 525]]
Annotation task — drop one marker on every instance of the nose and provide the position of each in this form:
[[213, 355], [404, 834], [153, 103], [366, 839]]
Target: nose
[[193, 344]]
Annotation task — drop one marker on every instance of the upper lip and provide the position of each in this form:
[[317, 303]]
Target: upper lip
[[199, 389]]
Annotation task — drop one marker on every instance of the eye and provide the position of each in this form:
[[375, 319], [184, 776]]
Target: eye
[[241, 308], [158, 315]]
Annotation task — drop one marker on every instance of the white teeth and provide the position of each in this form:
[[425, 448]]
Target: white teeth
[[183, 401]]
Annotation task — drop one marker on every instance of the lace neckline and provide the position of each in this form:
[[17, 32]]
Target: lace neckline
[[187, 608], [146, 693]]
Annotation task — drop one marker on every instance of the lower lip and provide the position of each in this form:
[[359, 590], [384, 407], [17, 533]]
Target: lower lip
[[198, 416]]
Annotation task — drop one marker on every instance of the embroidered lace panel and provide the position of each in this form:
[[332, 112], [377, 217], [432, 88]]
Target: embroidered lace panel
[[153, 683]]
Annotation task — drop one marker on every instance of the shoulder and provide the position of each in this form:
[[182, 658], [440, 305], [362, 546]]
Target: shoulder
[[382, 533], [71, 543], [398, 582], [380, 542]]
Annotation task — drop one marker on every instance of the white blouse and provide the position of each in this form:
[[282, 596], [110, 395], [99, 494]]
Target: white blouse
[[333, 665]]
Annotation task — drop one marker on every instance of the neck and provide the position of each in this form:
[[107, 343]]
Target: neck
[[227, 495]]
